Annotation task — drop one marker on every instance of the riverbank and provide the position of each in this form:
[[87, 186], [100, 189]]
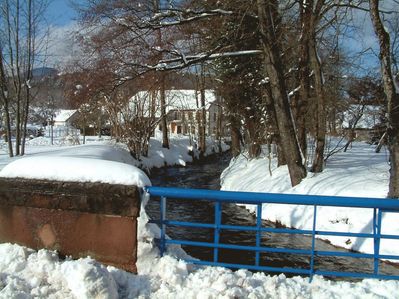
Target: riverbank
[[181, 150], [360, 172]]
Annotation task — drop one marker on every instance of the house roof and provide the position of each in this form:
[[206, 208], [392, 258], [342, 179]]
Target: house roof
[[175, 100], [63, 115]]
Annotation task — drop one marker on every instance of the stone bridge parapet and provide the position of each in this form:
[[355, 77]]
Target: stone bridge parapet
[[76, 219]]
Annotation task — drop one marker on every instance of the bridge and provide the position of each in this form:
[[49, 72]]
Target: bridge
[[378, 206]]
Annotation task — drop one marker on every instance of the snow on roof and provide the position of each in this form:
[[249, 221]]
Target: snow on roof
[[90, 163], [63, 115], [183, 99], [369, 119]]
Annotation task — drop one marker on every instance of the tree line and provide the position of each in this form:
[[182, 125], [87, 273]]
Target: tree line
[[279, 66]]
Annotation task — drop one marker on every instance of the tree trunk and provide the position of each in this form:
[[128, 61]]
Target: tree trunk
[[30, 54], [4, 94], [392, 98], [304, 74], [235, 136], [274, 68], [219, 126], [202, 128], [18, 83], [380, 143], [321, 118], [254, 148], [164, 122]]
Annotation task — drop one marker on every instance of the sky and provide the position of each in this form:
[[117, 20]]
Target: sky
[[60, 13], [61, 18]]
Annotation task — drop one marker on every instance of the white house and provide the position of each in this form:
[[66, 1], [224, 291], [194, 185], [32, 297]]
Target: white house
[[64, 118], [183, 109]]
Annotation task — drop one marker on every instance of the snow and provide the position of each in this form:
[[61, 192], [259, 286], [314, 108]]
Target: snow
[[360, 172], [27, 273], [63, 115], [70, 169], [100, 161]]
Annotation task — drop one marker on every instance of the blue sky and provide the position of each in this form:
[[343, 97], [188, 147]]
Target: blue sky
[[60, 13]]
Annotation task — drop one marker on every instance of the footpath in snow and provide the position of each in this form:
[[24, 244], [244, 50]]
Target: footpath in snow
[[26, 273]]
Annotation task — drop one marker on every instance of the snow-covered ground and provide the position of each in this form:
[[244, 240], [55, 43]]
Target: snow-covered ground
[[360, 172], [178, 154], [25, 273]]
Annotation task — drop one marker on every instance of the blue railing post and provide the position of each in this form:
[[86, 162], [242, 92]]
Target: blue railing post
[[377, 221], [218, 221], [163, 225], [258, 232], [313, 243]]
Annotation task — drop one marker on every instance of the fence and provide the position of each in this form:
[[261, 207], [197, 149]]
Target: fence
[[379, 206]]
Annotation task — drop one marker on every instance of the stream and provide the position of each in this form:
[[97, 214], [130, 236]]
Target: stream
[[205, 175]]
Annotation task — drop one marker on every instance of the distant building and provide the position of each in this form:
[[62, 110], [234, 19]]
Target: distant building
[[64, 118], [183, 109], [365, 120]]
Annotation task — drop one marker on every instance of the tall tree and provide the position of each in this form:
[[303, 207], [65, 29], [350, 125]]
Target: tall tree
[[392, 97], [269, 18]]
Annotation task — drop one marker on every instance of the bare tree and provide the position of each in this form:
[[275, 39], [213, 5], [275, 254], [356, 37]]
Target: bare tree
[[20, 44], [5, 102], [392, 97]]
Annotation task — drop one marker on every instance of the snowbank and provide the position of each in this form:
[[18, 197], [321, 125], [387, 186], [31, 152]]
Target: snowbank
[[27, 273], [70, 169], [91, 163], [99, 161], [360, 172], [178, 152]]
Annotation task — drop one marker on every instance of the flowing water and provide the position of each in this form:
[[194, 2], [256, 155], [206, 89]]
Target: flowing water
[[205, 175]]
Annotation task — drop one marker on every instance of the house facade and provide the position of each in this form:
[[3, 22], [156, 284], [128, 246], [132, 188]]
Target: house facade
[[64, 118], [184, 110]]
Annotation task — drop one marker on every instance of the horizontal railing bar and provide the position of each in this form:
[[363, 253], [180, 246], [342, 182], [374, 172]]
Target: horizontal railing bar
[[346, 254], [251, 267], [277, 198], [279, 250], [239, 247], [388, 257], [271, 230], [189, 224], [383, 236]]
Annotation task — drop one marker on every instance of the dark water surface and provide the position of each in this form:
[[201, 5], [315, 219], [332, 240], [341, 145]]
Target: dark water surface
[[206, 175]]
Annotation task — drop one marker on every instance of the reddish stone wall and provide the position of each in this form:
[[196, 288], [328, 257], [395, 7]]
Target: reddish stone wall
[[76, 219]]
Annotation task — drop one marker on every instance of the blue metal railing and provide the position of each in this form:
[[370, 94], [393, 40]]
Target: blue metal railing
[[379, 206]]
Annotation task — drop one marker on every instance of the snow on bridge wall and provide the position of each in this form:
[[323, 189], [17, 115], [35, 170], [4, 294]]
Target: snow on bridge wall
[[76, 219]]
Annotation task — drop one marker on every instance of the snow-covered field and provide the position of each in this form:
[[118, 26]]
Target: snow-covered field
[[25, 273]]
